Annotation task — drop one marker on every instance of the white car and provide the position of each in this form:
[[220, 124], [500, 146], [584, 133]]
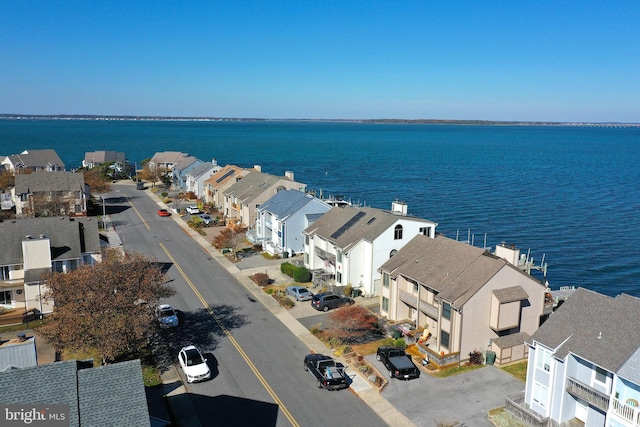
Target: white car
[[166, 316], [193, 364], [193, 210]]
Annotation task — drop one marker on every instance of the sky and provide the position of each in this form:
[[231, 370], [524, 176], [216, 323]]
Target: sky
[[567, 61]]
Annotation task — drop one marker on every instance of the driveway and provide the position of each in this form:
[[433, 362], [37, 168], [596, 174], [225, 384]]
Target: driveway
[[460, 400]]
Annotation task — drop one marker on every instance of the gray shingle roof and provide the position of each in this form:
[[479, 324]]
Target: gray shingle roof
[[253, 185], [111, 395], [185, 162], [104, 156], [598, 328], [370, 224], [201, 169], [510, 294], [454, 269], [49, 181], [69, 237], [37, 158], [286, 203], [172, 157]]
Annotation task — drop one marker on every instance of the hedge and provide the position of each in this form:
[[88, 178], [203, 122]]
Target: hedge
[[299, 274]]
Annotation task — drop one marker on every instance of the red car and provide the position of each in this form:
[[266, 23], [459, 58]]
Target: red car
[[164, 212]]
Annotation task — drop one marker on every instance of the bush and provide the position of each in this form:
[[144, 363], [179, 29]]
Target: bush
[[348, 290], [261, 279], [164, 194], [475, 357], [302, 275], [287, 268], [400, 342]]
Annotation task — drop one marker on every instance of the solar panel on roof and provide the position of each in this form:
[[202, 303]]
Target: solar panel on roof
[[348, 225], [225, 175]]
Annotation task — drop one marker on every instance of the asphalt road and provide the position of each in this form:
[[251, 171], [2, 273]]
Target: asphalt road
[[256, 362]]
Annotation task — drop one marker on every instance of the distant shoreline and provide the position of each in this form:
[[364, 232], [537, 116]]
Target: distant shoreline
[[370, 121]]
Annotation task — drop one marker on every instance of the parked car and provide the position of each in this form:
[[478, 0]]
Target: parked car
[[206, 219], [300, 293], [328, 373], [193, 210], [193, 364], [164, 212], [326, 301], [166, 316], [397, 362]]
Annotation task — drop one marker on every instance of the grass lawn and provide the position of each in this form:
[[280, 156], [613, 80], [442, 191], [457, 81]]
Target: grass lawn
[[518, 370], [21, 327]]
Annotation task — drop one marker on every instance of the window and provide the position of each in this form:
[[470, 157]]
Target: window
[[306, 239], [339, 277], [601, 375], [4, 273], [446, 310], [385, 280], [415, 286], [306, 258], [543, 359], [5, 297], [425, 231], [339, 256], [393, 252], [397, 233], [444, 339], [385, 304]]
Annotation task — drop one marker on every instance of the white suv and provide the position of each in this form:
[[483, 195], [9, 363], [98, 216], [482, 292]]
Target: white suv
[[193, 210]]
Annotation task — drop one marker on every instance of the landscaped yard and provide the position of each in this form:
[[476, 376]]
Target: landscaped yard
[[518, 370]]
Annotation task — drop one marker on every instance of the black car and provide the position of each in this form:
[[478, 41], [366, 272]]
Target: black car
[[328, 300]]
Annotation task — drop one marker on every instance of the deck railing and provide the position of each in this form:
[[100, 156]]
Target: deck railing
[[591, 395], [628, 412], [515, 406]]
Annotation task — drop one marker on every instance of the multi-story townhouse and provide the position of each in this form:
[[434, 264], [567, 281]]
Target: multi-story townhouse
[[32, 247], [197, 176], [282, 219], [243, 197], [50, 194], [217, 184], [33, 160], [467, 298], [584, 364], [349, 244], [182, 168]]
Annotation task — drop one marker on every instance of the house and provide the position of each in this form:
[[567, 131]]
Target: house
[[584, 364], [33, 160], [348, 244], [243, 197], [50, 194], [35, 246], [95, 158], [165, 160], [197, 176], [84, 395], [217, 184], [282, 218], [182, 168], [466, 297]]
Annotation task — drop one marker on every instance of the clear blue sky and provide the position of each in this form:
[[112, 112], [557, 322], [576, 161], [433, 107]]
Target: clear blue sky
[[414, 59]]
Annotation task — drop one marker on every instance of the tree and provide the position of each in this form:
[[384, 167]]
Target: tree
[[350, 323], [7, 179], [107, 306], [231, 236], [97, 181]]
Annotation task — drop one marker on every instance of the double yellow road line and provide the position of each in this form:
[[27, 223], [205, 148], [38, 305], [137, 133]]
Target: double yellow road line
[[233, 341]]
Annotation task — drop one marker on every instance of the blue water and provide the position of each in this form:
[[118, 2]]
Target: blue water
[[568, 194]]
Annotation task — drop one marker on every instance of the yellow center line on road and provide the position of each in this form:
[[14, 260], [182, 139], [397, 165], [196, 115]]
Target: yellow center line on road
[[138, 213], [233, 340]]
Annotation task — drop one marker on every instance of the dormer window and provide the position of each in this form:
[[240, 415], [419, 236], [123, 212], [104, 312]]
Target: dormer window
[[397, 232]]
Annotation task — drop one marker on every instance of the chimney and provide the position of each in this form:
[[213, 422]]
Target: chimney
[[399, 208], [289, 175]]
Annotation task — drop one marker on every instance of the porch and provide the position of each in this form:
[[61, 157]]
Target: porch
[[627, 410], [518, 409]]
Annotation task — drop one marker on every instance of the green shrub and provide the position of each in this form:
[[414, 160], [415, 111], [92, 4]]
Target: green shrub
[[400, 342], [302, 275], [164, 194], [348, 290], [287, 268]]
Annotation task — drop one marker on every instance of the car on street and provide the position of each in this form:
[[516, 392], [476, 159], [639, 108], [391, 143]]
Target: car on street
[[163, 212], [327, 301], [193, 364], [193, 210], [206, 219], [300, 293], [166, 315]]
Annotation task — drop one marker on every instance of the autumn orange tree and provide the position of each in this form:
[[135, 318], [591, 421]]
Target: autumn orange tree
[[107, 306], [97, 180], [7, 179], [231, 236], [350, 323]]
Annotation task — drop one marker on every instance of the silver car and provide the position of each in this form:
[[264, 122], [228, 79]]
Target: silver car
[[300, 293]]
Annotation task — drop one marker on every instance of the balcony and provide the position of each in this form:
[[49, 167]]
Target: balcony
[[324, 255], [625, 411], [592, 396]]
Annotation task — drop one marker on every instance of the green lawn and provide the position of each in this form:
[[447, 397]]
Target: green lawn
[[518, 370]]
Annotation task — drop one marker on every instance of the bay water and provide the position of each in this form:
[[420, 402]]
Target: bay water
[[568, 194]]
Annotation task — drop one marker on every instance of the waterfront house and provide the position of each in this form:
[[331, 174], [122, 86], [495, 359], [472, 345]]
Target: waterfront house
[[96, 158], [50, 194], [584, 364], [217, 184], [182, 168], [106, 395], [197, 176], [243, 197], [347, 245], [35, 246], [465, 297], [33, 160], [282, 219], [165, 160]]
